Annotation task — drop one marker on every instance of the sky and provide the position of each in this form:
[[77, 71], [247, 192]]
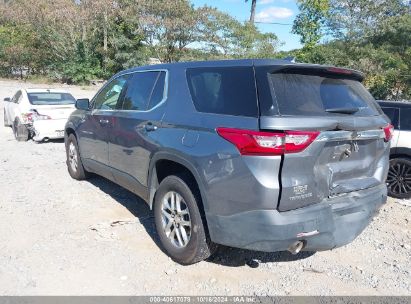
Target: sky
[[279, 11]]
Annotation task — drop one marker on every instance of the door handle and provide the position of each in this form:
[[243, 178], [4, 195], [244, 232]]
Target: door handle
[[150, 127]]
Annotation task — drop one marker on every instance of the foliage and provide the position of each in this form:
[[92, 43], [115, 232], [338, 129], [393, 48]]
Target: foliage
[[308, 23], [371, 36], [76, 41]]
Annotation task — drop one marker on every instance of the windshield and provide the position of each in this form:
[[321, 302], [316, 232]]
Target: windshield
[[298, 94], [45, 98]]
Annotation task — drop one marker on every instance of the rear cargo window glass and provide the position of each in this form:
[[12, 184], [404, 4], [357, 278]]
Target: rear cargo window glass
[[228, 91], [392, 114], [50, 98], [405, 123], [298, 94]]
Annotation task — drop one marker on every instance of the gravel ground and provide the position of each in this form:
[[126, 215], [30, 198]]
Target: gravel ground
[[59, 236]]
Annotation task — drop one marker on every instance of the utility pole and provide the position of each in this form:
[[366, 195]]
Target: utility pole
[[252, 13]]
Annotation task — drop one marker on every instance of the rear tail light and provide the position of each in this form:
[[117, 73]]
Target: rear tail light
[[27, 117], [37, 116], [389, 132], [266, 143]]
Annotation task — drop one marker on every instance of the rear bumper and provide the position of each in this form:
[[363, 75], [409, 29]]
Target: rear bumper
[[333, 223], [51, 129]]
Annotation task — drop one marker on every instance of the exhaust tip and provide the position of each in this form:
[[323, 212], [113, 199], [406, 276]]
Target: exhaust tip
[[296, 247]]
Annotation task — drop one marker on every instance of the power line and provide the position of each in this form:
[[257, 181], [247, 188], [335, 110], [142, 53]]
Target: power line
[[277, 23]]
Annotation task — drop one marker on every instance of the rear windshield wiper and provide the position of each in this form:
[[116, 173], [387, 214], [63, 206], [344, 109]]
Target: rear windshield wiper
[[343, 110]]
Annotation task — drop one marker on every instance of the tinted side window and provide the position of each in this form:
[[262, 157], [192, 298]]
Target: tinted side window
[[139, 90], [16, 97], [228, 91], [393, 114], [109, 96], [405, 119], [158, 92]]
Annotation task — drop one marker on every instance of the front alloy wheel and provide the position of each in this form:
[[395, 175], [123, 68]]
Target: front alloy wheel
[[72, 157], [399, 178], [74, 163]]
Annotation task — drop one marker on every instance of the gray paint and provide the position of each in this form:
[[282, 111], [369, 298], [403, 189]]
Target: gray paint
[[237, 189]]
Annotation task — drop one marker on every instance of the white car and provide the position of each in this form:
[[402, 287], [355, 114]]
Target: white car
[[399, 175], [39, 114]]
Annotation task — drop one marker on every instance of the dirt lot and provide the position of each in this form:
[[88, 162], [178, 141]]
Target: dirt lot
[[59, 236]]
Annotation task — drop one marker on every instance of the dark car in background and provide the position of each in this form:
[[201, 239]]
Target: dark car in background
[[399, 174], [265, 155]]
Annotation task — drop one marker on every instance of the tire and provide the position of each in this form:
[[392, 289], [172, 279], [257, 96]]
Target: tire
[[74, 163], [399, 178], [197, 245], [20, 131]]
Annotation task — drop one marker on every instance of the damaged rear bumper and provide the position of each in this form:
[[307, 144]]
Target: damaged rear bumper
[[327, 225], [48, 129]]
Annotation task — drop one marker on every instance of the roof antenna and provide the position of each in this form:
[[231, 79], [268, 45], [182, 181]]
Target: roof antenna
[[290, 58]]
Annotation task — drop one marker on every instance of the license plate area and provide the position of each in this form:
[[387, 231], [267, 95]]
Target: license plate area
[[60, 133]]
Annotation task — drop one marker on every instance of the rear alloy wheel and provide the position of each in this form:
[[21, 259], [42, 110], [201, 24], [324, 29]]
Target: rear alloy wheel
[[175, 219], [399, 178], [179, 221], [74, 164], [20, 131]]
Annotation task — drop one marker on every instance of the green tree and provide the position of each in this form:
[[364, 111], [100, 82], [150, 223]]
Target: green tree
[[309, 22], [169, 26], [353, 19], [226, 37]]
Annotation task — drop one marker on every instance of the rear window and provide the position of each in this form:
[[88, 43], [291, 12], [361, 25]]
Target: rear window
[[229, 91], [51, 98], [312, 95]]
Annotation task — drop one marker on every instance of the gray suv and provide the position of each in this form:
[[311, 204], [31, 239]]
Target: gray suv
[[266, 155]]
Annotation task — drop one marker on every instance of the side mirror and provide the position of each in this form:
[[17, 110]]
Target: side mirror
[[83, 104], [7, 99]]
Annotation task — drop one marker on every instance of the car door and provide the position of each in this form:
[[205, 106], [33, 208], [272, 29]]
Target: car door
[[12, 109], [97, 124], [133, 138], [393, 114], [404, 139], [7, 107]]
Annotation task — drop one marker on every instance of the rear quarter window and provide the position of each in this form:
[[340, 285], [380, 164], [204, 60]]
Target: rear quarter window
[[312, 95], [229, 91]]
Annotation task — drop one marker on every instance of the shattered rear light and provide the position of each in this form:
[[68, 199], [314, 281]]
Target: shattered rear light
[[27, 117], [37, 116], [250, 142], [388, 132]]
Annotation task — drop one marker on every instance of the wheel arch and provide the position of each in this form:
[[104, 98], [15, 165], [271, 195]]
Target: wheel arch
[[164, 164], [69, 129]]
